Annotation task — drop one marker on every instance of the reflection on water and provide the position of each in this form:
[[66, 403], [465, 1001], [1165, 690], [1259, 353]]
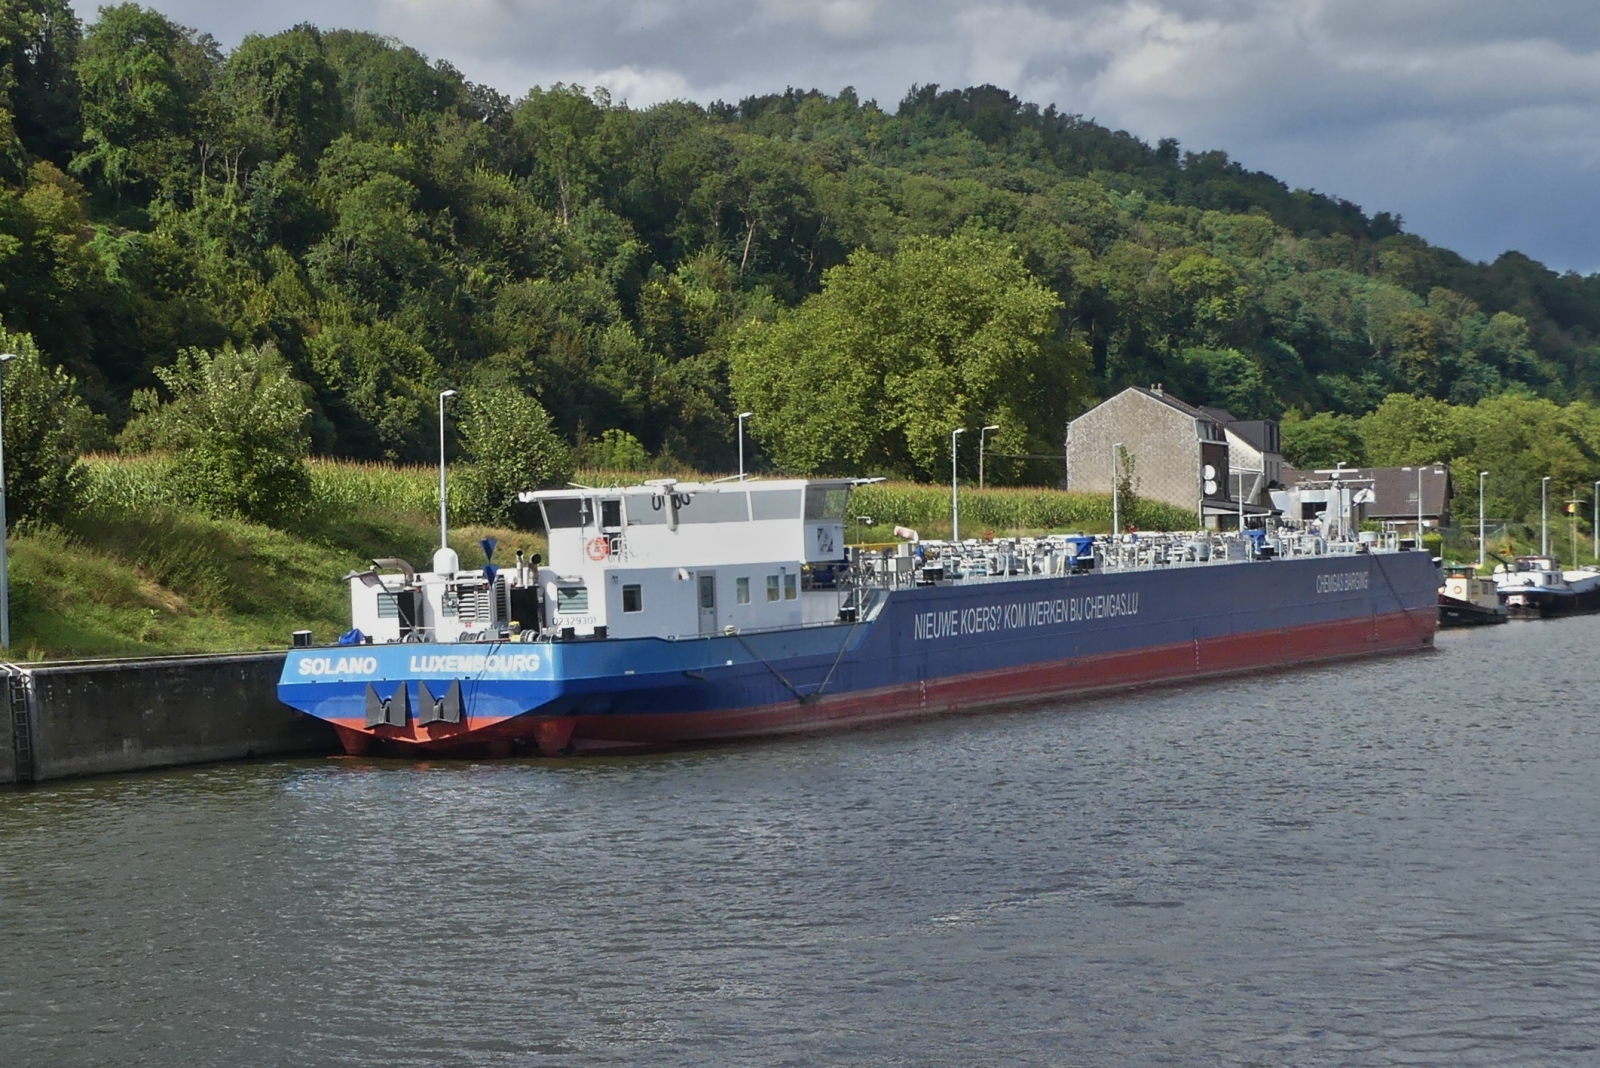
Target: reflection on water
[[1390, 862]]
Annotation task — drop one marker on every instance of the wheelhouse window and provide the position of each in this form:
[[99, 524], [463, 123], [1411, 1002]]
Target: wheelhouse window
[[741, 589], [772, 588], [791, 587], [572, 600], [611, 514], [566, 512], [827, 503], [632, 599]]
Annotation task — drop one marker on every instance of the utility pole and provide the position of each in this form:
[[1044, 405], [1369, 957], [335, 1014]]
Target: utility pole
[[1572, 524], [5, 567], [981, 434], [955, 490], [742, 417], [1544, 516], [1116, 491], [1481, 545], [444, 540]]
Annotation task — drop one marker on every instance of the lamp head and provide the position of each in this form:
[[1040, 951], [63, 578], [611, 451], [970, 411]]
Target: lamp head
[[7, 357], [746, 415], [448, 393], [994, 427]]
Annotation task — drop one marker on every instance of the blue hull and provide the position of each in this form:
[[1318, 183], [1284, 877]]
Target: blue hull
[[928, 650]]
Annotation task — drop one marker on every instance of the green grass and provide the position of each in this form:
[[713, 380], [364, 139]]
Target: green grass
[[136, 573]]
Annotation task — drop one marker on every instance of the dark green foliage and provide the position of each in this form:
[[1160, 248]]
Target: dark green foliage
[[510, 446], [1321, 441], [235, 426], [47, 427], [393, 229], [874, 373]]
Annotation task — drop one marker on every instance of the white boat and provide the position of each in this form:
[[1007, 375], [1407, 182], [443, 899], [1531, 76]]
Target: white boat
[[1537, 587]]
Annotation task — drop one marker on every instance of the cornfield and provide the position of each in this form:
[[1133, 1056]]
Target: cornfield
[[136, 483], [1003, 511]]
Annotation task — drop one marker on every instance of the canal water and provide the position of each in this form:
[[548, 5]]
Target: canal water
[[1386, 862]]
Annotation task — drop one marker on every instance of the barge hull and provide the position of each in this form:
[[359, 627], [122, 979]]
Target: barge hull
[[929, 651], [1200, 658]]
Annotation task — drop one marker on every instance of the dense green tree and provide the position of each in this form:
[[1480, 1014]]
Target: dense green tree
[[47, 427], [390, 227], [1322, 440], [510, 446], [38, 79], [142, 78], [235, 423], [896, 352], [1410, 430]]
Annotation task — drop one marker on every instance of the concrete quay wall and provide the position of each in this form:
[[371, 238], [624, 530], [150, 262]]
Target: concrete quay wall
[[94, 717]]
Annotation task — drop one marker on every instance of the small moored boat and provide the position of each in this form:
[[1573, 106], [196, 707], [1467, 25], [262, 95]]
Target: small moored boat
[[1469, 600]]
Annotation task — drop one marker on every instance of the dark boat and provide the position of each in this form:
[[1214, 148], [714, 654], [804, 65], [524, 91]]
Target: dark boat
[[1468, 600]]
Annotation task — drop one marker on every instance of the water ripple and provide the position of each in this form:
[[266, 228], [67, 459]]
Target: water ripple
[[1385, 863]]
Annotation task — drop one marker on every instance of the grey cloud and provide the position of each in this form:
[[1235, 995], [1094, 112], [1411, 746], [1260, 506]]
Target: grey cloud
[[1476, 119]]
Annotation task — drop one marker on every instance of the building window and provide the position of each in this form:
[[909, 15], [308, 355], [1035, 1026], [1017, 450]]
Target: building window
[[791, 588], [772, 587], [572, 600], [632, 599], [742, 590]]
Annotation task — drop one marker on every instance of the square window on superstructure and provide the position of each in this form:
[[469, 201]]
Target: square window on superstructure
[[791, 587], [742, 590], [632, 599], [772, 588]]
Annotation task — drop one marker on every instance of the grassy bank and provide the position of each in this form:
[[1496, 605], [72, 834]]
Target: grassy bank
[[138, 572]]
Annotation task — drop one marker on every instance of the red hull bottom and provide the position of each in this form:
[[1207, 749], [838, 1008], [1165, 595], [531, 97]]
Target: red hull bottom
[[1203, 658]]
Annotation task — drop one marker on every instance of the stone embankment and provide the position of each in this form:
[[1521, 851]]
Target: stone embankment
[[93, 717]]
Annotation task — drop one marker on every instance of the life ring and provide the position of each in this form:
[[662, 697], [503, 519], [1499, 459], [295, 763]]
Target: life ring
[[598, 548]]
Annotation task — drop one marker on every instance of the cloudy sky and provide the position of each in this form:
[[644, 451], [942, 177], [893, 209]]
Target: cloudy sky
[[1477, 120]]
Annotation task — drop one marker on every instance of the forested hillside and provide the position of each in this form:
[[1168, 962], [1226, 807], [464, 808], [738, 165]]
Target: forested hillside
[[863, 277]]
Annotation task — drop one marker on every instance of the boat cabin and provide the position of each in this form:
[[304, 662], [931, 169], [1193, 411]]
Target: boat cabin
[[674, 559], [664, 559]]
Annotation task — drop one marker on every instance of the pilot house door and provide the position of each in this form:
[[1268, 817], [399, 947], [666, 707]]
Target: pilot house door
[[707, 594]]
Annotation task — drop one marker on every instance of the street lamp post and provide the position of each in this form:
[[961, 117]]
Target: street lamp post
[[955, 497], [742, 417], [1481, 544], [5, 567], [1595, 525], [981, 434], [1116, 494], [1420, 468], [1544, 516], [444, 530]]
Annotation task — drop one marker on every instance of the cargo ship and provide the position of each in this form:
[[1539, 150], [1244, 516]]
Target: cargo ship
[[674, 612]]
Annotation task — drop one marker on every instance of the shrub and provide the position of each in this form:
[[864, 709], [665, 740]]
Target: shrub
[[46, 428], [510, 446], [615, 450], [236, 429]]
